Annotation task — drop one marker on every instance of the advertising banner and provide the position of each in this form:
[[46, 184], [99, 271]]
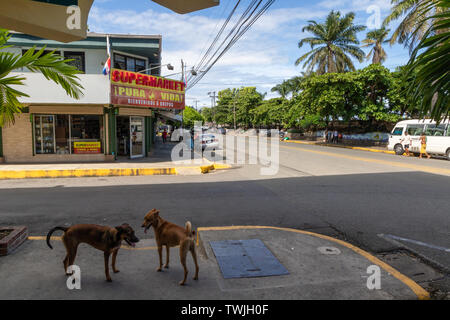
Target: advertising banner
[[80, 147], [141, 90]]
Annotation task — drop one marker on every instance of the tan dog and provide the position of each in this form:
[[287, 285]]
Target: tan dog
[[103, 238], [170, 235]]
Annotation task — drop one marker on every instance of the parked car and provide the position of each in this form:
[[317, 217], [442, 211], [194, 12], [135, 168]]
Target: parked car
[[208, 141], [222, 130]]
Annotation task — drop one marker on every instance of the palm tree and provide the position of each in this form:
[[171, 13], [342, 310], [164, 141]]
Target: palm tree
[[431, 85], [283, 89], [52, 66], [375, 39], [332, 43], [414, 24]]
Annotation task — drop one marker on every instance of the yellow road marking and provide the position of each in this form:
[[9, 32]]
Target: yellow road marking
[[420, 292], [385, 162]]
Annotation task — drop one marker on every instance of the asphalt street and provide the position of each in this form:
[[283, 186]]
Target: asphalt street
[[379, 202]]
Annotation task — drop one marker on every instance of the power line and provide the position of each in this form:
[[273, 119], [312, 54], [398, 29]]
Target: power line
[[247, 19]]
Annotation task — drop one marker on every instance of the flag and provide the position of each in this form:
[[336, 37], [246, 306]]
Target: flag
[[107, 67]]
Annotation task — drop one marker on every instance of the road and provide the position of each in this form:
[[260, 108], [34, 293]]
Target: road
[[350, 194]]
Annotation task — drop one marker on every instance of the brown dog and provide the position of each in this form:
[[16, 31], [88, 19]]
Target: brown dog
[[103, 238], [170, 235]]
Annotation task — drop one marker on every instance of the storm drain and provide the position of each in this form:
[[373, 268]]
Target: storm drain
[[245, 259]]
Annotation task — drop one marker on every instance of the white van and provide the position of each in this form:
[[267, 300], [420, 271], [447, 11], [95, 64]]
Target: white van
[[438, 137]]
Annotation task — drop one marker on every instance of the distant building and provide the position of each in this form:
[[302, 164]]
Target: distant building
[[57, 128]]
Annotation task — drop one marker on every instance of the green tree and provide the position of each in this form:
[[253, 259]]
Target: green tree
[[271, 113], [332, 44], [430, 61], [282, 89], [376, 39], [207, 114], [190, 115], [415, 21], [51, 65]]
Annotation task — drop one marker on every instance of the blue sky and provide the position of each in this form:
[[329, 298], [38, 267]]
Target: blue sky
[[263, 57]]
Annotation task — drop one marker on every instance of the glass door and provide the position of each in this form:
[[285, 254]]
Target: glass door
[[44, 134], [136, 137]]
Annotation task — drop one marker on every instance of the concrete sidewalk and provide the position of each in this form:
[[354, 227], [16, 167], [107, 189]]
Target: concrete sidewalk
[[159, 163], [36, 272]]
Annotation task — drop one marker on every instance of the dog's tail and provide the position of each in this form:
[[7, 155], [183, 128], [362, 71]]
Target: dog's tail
[[189, 231], [49, 234]]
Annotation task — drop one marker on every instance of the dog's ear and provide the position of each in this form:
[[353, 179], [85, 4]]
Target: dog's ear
[[155, 212], [120, 229]]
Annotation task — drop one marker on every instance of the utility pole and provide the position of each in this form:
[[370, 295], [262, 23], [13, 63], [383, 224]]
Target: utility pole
[[213, 98], [234, 108], [213, 102]]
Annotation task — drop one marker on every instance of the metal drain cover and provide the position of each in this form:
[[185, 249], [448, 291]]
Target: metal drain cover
[[245, 259]]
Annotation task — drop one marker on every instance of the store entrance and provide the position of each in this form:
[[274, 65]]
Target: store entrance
[[130, 136], [123, 136]]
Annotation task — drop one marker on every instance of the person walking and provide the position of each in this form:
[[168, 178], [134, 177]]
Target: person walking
[[406, 141], [335, 136], [164, 136], [423, 146]]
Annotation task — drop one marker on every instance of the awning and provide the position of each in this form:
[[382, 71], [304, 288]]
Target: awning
[[66, 20], [60, 20], [186, 6], [170, 115]]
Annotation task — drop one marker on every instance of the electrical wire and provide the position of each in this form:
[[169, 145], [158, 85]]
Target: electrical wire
[[244, 23]]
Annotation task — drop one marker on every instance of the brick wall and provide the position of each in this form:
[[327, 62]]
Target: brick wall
[[17, 139]]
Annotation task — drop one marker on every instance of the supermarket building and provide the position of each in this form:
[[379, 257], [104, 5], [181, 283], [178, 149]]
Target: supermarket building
[[114, 118]]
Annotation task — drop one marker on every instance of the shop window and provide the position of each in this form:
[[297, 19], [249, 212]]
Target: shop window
[[128, 63], [78, 60], [86, 134], [140, 65], [44, 134], [120, 62], [68, 134]]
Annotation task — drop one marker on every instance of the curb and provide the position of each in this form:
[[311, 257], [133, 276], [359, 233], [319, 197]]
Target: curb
[[77, 173], [420, 292], [340, 146]]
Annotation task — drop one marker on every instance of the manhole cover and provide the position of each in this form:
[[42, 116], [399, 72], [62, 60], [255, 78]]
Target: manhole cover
[[246, 258], [329, 250]]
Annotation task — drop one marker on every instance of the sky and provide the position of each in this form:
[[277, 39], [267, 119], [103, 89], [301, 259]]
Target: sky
[[263, 57]]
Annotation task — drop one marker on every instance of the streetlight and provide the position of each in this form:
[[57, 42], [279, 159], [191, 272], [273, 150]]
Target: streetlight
[[168, 65]]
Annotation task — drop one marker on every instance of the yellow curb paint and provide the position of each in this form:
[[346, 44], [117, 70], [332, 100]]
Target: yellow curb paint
[[385, 162], [420, 292], [75, 173], [340, 146]]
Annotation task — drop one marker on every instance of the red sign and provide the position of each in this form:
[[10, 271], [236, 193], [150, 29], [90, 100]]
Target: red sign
[[141, 90], [80, 147]]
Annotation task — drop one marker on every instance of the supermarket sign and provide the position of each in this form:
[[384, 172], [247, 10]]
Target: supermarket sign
[[87, 147], [141, 90]]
